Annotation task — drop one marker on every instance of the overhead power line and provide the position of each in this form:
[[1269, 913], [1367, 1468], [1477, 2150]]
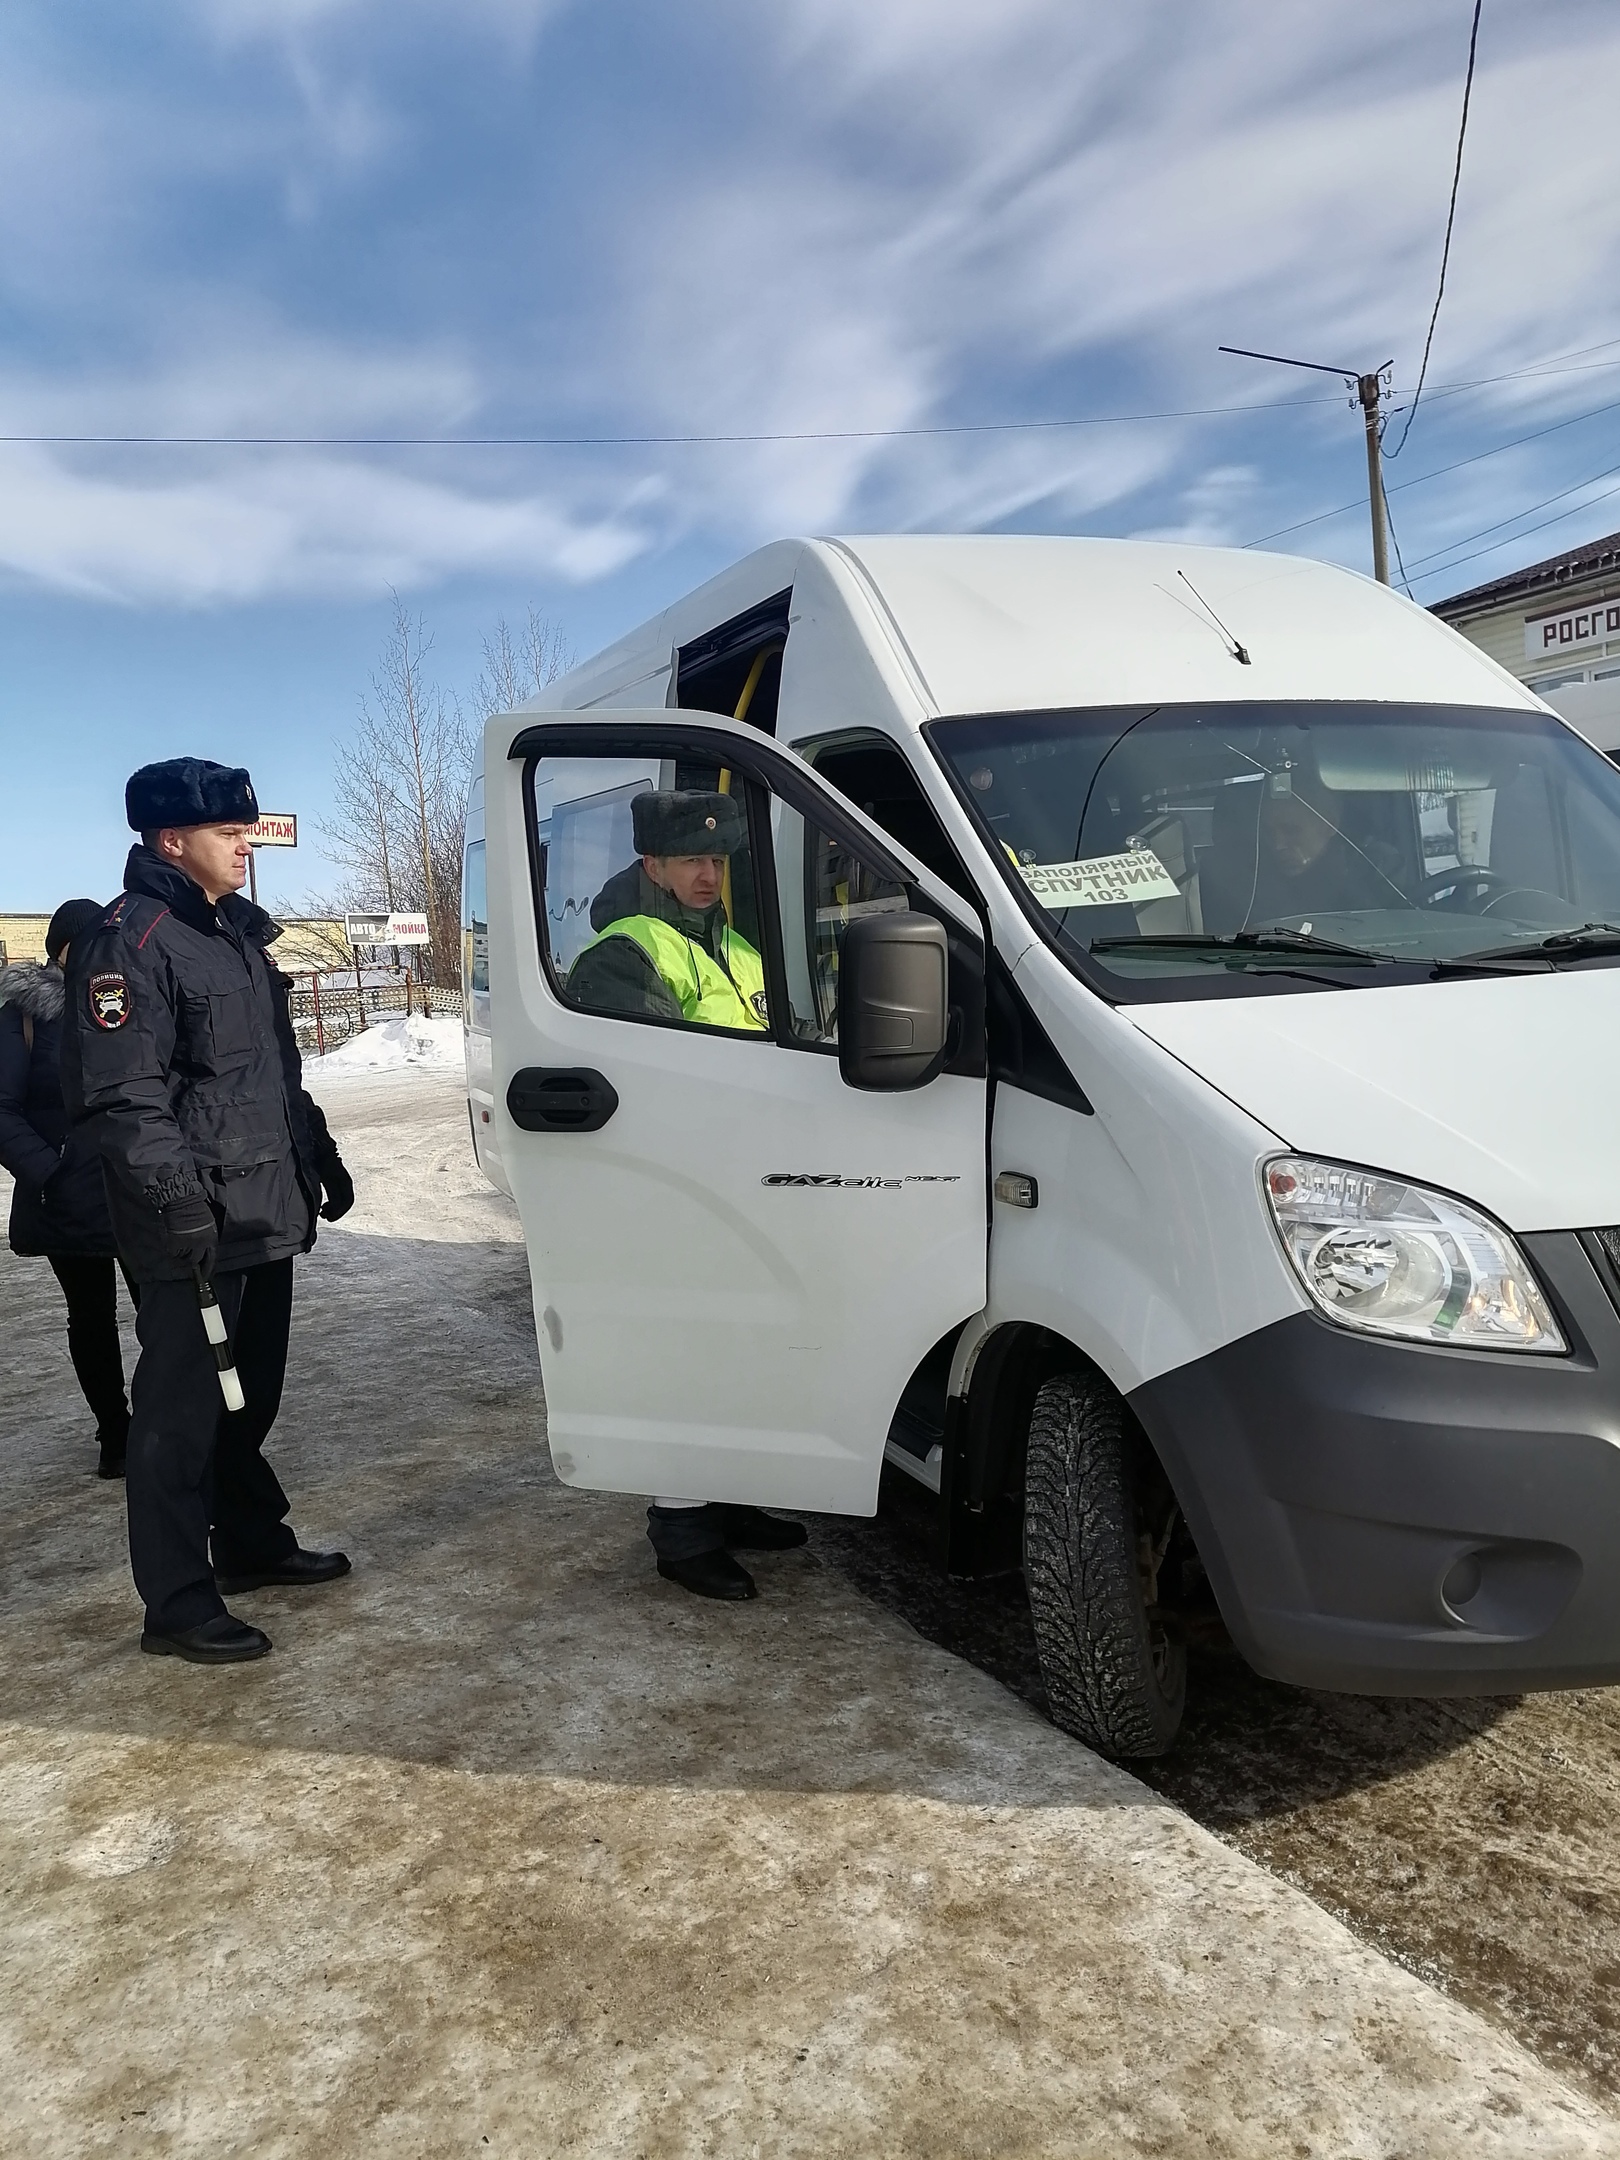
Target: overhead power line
[[1395, 543], [1537, 373], [1451, 219], [1457, 464], [1574, 511], [631, 442], [1556, 366], [1530, 509]]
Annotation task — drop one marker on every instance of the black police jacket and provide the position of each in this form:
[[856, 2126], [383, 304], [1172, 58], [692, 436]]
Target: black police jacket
[[179, 1061], [58, 1204]]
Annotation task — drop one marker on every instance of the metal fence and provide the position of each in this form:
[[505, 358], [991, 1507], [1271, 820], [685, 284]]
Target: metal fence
[[325, 1014]]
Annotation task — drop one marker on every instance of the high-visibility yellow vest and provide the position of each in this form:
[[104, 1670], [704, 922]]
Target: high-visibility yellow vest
[[709, 994]]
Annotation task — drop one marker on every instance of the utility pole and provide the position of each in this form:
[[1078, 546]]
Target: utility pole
[[1368, 394]]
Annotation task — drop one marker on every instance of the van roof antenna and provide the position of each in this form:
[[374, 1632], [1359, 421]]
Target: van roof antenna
[[1240, 653]]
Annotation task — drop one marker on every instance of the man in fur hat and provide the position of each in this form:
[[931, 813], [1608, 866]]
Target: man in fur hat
[[180, 1065], [664, 949]]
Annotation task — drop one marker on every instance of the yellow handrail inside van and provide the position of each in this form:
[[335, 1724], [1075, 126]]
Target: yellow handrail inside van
[[749, 687], [766, 652]]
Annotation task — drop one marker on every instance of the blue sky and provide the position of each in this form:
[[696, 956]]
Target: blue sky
[[495, 217]]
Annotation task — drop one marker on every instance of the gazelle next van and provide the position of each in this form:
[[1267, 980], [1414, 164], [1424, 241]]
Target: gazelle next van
[[1182, 1131]]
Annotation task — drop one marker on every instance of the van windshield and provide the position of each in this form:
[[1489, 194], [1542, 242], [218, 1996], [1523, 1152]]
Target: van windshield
[[1208, 843]]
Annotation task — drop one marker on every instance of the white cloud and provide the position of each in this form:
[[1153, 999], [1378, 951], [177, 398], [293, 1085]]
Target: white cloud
[[282, 524], [881, 218], [243, 371], [1209, 507], [241, 21], [204, 526], [190, 524], [943, 205]]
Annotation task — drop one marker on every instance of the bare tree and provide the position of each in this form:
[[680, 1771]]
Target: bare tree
[[366, 808], [517, 668], [400, 784], [401, 780]]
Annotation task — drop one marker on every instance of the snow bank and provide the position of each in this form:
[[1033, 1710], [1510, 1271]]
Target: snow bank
[[390, 1045]]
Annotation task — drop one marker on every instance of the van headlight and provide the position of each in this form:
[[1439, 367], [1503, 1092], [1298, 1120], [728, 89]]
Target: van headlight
[[1400, 1260]]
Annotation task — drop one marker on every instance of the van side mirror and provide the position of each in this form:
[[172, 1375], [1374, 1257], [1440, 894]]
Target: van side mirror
[[893, 1008]]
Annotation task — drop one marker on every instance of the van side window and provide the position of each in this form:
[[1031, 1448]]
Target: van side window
[[872, 772], [824, 885], [474, 923], [668, 885], [736, 668], [649, 906]]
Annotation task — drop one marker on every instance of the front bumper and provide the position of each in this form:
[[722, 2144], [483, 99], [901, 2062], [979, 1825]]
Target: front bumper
[[1391, 1518]]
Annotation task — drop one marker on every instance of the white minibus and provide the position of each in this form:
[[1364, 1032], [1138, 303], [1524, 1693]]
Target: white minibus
[[1179, 1133]]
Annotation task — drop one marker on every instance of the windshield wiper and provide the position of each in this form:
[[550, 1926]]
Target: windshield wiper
[[1259, 942], [1590, 942]]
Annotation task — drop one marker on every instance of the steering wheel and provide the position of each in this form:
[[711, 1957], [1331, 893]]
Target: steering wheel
[[1482, 885]]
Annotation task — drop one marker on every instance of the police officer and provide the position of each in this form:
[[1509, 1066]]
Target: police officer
[[180, 1065], [666, 950]]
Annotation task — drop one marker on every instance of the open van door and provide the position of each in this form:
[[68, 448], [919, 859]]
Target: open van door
[[739, 1255]]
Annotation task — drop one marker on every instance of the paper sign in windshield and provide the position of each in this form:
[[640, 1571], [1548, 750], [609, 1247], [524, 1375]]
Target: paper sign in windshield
[[1100, 881]]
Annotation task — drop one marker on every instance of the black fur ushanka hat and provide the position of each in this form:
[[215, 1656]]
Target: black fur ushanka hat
[[687, 822], [189, 791]]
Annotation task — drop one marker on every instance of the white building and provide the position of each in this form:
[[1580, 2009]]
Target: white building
[[1556, 626]]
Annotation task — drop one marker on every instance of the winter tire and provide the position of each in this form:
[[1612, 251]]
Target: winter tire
[[1114, 1676]]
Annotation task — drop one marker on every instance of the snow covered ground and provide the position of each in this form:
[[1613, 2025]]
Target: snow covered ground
[[390, 1045], [512, 1848]]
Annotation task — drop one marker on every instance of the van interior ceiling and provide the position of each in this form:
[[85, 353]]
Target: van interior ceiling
[[736, 668]]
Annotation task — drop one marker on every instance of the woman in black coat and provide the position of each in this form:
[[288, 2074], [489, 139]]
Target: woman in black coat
[[59, 1207]]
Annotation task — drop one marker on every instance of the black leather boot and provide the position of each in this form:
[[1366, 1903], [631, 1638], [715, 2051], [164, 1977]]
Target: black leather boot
[[750, 1529], [224, 1640], [296, 1572], [710, 1574]]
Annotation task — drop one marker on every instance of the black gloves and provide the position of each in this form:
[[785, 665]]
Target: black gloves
[[190, 1232], [338, 1187]]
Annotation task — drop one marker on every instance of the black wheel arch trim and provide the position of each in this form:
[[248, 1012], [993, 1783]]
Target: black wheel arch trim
[[1331, 1481]]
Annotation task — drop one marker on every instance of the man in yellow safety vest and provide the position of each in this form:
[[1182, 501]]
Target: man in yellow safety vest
[[665, 950]]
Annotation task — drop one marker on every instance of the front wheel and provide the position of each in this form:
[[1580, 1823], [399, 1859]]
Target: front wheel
[[1098, 1518]]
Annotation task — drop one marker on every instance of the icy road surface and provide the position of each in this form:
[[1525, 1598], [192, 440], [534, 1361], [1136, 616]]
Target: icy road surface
[[510, 1848]]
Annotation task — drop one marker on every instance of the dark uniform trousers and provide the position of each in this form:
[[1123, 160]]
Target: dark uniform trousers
[[194, 1466], [90, 1286]]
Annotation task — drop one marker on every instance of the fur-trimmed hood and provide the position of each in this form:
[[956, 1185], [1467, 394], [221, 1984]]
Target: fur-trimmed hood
[[38, 989]]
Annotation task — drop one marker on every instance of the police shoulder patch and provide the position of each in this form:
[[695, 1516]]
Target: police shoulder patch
[[110, 1001]]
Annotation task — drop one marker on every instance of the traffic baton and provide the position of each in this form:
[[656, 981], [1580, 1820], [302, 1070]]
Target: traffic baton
[[213, 1321]]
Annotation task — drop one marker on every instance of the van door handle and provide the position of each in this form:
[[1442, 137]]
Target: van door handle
[[561, 1098]]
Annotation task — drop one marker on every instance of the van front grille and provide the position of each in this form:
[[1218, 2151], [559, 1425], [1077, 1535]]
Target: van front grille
[[1604, 1247]]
